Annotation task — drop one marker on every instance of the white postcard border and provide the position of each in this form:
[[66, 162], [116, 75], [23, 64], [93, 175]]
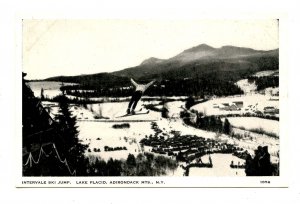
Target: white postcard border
[[280, 181]]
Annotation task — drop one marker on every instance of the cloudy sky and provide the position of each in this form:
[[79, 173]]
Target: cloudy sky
[[73, 47]]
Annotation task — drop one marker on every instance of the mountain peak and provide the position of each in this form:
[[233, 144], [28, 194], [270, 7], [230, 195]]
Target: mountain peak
[[201, 47], [151, 60], [201, 51]]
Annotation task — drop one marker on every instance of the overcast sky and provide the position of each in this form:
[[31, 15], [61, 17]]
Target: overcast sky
[[73, 47]]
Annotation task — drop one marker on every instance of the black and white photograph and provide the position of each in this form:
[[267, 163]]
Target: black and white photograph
[[149, 101], [150, 98]]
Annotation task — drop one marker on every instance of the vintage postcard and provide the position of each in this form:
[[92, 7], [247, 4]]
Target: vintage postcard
[[152, 103]]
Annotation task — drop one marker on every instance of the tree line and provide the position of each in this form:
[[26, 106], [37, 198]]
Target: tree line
[[177, 87], [146, 164], [264, 82], [209, 123]]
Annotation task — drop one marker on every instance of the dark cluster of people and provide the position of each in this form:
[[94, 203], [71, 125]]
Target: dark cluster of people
[[261, 164]]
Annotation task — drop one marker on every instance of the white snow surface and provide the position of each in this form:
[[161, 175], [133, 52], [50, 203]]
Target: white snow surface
[[251, 103], [99, 134], [221, 166], [267, 73], [255, 123], [91, 129], [246, 87]]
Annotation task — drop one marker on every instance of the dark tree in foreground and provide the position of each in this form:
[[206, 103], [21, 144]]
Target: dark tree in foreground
[[72, 149], [227, 127], [261, 164], [113, 167], [189, 102], [42, 94], [131, 160]]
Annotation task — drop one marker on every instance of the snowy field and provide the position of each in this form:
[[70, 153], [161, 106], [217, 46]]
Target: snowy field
[[255, 123], [251, 103], [256, 140], [221, 166], [250, 88], [272, 91], [99, 133], [174, 108], [246, 87], [113, 110], [137, 130], [267, 73]]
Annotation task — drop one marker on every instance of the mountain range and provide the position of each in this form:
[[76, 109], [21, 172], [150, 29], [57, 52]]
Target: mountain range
[[227, 63]]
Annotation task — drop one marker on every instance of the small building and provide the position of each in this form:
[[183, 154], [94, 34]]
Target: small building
[[239, 104], [233, 107], [229, 107], [224, 106], [271, 110]]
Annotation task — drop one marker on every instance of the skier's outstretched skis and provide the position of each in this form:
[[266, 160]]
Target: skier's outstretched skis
[[136, 96]]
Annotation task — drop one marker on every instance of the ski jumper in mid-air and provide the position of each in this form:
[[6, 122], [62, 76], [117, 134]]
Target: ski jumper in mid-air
[[136, 96]]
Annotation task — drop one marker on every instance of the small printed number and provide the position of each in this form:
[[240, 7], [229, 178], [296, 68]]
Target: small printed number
[[265, 182]]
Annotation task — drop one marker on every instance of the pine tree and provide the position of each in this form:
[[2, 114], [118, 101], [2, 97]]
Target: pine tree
[[227, 127], [189, 102], [72, 148], [42, 94]]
